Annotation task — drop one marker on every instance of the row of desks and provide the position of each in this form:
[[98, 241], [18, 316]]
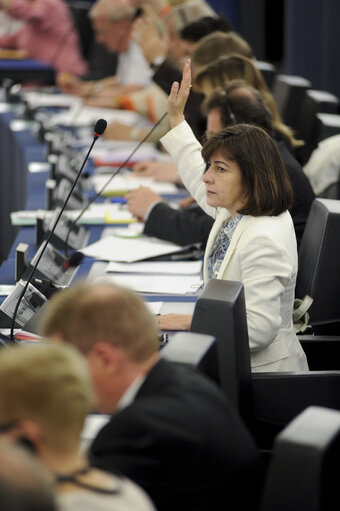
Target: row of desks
[[29, 188]]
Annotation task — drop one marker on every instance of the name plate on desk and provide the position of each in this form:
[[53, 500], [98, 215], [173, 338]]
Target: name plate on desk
[[30, 304], [52, 267], [77, 238]]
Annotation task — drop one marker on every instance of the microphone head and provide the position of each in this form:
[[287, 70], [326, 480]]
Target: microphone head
[[99, 128], [74, 260], [138, 13]]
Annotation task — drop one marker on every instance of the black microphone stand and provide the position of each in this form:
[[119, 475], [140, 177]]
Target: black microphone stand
[[98, 194], [29, 279]]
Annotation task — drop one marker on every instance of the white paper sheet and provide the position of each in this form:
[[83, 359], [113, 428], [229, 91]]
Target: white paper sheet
[[86, 115], [157, 267], [43, 99], [97, 214], [163, 284], [154, 307], [128, 250]]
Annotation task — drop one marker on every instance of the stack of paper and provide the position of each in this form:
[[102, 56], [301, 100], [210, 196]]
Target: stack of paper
[[128, 250], [163, 284], [80, 115]]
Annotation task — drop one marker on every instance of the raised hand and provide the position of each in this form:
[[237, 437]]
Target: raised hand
[[178, 97]]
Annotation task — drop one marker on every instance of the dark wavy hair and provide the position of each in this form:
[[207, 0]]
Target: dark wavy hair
[[267, 186]]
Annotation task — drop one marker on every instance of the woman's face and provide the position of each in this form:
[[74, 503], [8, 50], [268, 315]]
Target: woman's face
[[223, 181]]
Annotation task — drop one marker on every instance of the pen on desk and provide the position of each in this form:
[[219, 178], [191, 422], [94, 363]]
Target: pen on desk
[[119, 200]]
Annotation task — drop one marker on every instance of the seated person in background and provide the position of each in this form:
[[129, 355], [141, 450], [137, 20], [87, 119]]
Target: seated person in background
[[166, 50], [47, 34], [323, 168], [219, 72], [246, 188], [158, 35], [113, 22], [45, 397], [206, 50], [172, 430], [215, 45], [24, 483], [193, 32], [238, 103], [151, 101]]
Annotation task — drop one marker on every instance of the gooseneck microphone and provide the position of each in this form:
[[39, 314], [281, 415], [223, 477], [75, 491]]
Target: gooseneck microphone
[[99, 129], [98, 194]]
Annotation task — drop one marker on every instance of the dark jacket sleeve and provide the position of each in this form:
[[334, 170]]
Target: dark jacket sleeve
[[165, 75], [181, 226]]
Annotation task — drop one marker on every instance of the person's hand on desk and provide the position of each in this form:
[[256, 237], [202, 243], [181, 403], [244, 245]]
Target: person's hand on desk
[[71, 84], [173, 321], [159, 171], [140, 200]]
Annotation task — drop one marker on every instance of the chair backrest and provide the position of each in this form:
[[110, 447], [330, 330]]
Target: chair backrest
[[280, 397], [319, 268], [304, 470], [220, 311], [288, 93], [314, 101], [187, 348], [268, 71], [328, 125]]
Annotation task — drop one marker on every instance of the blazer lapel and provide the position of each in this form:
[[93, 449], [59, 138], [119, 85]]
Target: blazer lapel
[[243, 223]]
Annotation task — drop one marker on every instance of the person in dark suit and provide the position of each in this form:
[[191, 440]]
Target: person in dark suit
[[171, 430], [239, 102]]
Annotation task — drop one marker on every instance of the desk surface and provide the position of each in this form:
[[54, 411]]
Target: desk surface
[[88, 268]]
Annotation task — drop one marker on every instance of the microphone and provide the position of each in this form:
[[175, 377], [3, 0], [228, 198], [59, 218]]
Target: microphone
[[99, 129], [74, 260], [98, 194]]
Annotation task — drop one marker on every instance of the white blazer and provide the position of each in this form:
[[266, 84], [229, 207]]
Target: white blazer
[[262, 255]]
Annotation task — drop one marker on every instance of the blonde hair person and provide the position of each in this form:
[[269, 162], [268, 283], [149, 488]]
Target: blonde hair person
[[45, 396], [235, 66], [218, 44]]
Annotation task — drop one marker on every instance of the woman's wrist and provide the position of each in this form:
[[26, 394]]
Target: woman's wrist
[[176, 120]]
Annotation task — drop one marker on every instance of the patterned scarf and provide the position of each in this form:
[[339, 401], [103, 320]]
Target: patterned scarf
[[221, 245]]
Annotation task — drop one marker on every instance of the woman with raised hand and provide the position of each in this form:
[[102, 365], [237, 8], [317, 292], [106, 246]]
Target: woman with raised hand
[[238, 178]]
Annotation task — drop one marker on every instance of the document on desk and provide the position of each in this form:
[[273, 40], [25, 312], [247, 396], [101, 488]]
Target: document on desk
[[129, 250], [159, 284], [157, 267], [97, 214], [120, 185], [80, 115], [117, 153], [42, 99]]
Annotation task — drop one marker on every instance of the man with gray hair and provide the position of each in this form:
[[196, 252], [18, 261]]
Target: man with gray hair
[[113, 22]]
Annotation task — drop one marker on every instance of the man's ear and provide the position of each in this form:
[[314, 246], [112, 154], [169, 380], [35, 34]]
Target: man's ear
[[28, 433], [104, 356]]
